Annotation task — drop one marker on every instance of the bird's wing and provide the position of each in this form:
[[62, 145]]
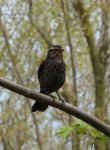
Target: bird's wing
[[41, 67]]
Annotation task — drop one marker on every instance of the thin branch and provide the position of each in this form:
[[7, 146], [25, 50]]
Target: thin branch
[[36, 126], [66, 107], [42, 34], [33, 115], [6, 38], [16, 74], [10, 69], [72, 56]]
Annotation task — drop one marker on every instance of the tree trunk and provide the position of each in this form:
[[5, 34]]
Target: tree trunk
[[99, 69]]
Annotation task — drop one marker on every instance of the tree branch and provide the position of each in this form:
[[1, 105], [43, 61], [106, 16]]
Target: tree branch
[[72, 55], [39, 30], [66, 107]]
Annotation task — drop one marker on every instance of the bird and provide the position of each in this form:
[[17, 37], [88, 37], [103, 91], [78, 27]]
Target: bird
[[51, 75]]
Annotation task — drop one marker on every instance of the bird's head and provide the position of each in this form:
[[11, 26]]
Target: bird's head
[[56, 51]]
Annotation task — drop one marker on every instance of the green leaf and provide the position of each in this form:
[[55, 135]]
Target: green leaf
[[64, 132], [81, 127]]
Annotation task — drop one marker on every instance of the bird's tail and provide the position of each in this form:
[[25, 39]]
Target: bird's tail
[[38, 106]]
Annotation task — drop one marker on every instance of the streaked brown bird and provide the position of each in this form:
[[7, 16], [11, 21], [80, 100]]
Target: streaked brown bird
[[51, 75]]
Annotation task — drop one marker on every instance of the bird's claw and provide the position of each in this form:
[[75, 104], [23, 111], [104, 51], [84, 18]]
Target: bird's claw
[[62, 100], [52, 97]]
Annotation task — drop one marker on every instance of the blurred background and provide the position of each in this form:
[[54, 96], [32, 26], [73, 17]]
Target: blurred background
[[27, 29]]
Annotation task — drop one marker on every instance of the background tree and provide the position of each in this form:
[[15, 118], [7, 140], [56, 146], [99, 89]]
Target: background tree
[[27, 30]]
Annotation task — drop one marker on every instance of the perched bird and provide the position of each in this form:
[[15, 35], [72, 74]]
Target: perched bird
[[51, 75]]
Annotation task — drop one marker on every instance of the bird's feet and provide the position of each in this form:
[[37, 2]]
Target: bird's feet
[[54, 97], [60, 99]]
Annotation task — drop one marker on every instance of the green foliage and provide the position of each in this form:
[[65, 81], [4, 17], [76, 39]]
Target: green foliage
[[65, 132], [81, 127]]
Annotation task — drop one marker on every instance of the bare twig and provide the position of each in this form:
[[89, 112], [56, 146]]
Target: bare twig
[[43, 35], [72, 57], [15, 72]]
